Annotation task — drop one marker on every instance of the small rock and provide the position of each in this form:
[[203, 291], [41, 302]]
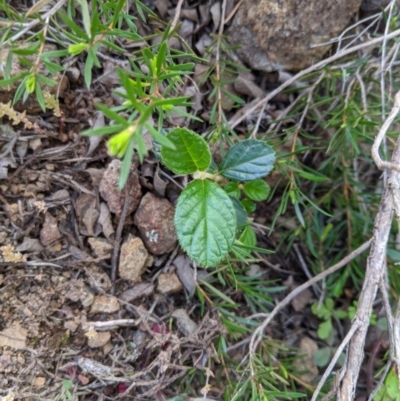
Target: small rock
[[306, 361], [112, 195], [98, 280], [99, 339], [104, 304], [5, 360], [14, 336], [132, 260], [100, 246], [39, 381], [50, 232], [137, 291], [77, 290], [155, 220], [290, 34], [71, 326], [168, 283]]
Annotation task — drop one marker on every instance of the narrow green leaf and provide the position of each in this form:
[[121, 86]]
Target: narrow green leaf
[[191, 152], [161, 139], [101, 131], [248, 160], [39, 96], [74, 28], [205, 221], [111, 114], [7, 82], [46, 80], [87, 73], [126, 163], [54, 54], [257, 190], [161, 56]]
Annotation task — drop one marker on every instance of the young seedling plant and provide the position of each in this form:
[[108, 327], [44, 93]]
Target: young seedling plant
[[207, 216]]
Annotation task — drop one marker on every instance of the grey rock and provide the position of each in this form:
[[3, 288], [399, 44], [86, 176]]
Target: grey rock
[[285, 35]]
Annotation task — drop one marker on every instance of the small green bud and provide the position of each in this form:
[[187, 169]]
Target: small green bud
[[118, 144], [77, 48], [30, 84]]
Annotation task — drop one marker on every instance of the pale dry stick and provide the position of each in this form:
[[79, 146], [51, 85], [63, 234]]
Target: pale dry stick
[[109, 325], [363, 92], [381, 164], [389, 317], [177, 14], [375, 266], [257, 126], [33, 23], [332, 363], [318, 291], [308, 70], [339, 39], [118, 238], [257, 335], [233, 12], [382, 78]]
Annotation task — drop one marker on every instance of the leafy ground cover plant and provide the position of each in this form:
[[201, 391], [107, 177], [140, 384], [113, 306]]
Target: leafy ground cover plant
[[207, 219]]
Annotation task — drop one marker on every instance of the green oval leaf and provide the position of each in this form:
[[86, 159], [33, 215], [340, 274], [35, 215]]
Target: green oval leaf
[[257, 190], [205, 222], [323, 356], [191, 154], [248, 205], [248, 160]]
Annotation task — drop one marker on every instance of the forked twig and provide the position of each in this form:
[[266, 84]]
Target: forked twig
[[376, 263], [315, 67], [257, 335]]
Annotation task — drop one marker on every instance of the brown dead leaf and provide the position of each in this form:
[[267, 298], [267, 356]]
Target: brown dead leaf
[[190, 13], [14, 336], [215, 11], [30, 245], [105, 221], [246, 87], [5, 163], [59, 196], [94, 141], [49, 232], [185, 273], [185, 324], [159, 184], [87, 214], [137, 291]]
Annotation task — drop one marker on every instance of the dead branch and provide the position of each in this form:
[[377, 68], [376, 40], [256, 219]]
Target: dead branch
[[257, 335], [375, 265], [233, 123]]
